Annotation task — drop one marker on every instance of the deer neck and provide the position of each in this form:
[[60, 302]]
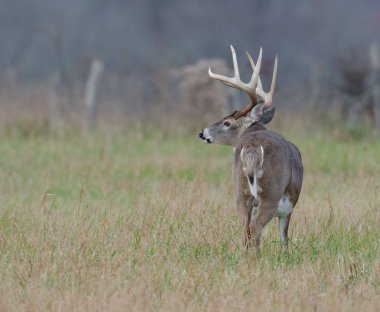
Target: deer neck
[[251, 127]]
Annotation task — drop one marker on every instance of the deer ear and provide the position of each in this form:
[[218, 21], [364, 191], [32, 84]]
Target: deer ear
[[257, 112], [267, 115]]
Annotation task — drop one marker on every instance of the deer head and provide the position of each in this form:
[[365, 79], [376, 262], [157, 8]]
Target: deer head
[[228, 130]]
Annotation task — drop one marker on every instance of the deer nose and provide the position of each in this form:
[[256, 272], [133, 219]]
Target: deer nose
[[200, 134]]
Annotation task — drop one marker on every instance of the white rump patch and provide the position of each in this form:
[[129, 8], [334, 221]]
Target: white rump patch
[[285, 206]]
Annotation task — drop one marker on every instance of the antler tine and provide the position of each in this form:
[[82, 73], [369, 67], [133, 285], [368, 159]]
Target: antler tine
[[251, 88], [256, 69], [233, 81], [236, 82], [259, 84], [234, 60], [274, 77], [267, 96], [223, 79]]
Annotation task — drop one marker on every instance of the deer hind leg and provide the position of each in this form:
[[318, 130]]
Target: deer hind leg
[[283, 222], [265, 212], [284, 211], [245, 209]]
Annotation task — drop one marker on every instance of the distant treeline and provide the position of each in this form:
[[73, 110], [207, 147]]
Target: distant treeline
[[136, 37]]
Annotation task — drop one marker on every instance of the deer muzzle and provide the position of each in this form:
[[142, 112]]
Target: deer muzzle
[[205, 136]]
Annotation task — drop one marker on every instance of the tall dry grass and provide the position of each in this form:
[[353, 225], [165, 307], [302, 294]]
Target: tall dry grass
[[145, 220]]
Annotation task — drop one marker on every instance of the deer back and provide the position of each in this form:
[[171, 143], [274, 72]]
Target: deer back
[[269, 162]]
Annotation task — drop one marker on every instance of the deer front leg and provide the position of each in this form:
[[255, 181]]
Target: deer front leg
[[265, 212]]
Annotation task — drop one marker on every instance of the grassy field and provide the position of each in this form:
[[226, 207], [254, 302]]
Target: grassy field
[[144, 221]]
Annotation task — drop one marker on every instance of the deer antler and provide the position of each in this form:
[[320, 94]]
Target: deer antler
[[254, 88], [267, 96], [235, 82]]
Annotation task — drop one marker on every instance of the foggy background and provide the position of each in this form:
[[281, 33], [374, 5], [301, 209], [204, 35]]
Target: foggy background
[[146, 47]]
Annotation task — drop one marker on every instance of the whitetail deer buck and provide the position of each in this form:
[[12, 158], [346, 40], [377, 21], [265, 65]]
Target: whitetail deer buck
[[267, 169]]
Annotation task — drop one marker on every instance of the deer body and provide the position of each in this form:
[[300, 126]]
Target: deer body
[[270, 168], [267, 169]]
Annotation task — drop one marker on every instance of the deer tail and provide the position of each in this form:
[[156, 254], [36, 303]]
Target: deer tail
[[252, 160]]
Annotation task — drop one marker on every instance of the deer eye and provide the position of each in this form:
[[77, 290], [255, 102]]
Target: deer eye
[[227, 123]]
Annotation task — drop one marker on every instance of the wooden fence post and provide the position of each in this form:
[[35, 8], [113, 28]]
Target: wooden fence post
[[91, 93], [375, 64]]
